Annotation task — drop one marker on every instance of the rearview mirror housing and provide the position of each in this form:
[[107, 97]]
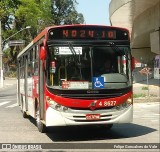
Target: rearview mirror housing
[[43, 53]]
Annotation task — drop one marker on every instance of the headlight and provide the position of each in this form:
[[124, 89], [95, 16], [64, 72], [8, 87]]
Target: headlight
[[125, 104], [56, 105]]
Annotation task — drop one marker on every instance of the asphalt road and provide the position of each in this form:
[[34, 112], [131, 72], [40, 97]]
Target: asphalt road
[[15, 129]]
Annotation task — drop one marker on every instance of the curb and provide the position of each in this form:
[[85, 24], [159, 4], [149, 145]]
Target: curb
[[147, 99], [8, 78]]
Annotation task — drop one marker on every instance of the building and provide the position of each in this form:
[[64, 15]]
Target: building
[[142, 18]]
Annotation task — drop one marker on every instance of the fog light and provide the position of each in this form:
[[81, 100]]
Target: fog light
[[58, 106], [65, 109], [124, 105], [118, 107]]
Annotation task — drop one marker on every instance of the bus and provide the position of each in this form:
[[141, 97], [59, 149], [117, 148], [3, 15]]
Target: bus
[[62, 82], [157, 67]]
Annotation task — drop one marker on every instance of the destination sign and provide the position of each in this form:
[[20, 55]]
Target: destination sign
[[101, 34], [88, 32]]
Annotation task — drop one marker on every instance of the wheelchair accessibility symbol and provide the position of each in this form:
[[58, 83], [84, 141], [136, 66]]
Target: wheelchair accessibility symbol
[[98, 82]]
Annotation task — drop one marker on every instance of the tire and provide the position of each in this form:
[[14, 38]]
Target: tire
[[41, 127], [24, 114]]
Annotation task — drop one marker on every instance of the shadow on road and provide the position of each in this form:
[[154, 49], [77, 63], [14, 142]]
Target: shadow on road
[[89, 133]]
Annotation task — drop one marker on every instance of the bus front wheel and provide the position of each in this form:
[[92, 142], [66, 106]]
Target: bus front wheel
[[41, 127]]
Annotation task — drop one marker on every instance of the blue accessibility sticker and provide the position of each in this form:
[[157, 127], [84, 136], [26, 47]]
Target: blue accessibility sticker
[[98, 82]]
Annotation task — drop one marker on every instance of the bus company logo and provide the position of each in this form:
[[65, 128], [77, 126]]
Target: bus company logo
[[92, 105], [92, 91], [6, 146]]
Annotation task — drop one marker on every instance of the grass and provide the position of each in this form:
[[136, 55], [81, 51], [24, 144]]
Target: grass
[[153, 95], [139, 95], [144, 88], [11, 74]]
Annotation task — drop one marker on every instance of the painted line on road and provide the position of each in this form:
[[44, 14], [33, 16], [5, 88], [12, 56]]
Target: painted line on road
[[3, 103], [13, 105], [5, 99]]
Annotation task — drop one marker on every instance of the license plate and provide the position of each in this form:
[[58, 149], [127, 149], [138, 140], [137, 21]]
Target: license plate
[[92, 116]]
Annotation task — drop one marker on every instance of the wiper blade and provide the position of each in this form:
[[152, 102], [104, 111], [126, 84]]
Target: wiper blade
[[73, 52], [76, 58], [123, 52], [114, 46]]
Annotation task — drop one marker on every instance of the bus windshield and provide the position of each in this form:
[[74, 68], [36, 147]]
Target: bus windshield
[[75, 67]]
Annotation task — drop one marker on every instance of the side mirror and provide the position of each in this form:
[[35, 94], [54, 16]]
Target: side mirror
[[43, 53], [133, 63]]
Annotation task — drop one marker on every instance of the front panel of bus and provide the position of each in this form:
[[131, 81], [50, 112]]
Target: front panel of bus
[[88, 76]]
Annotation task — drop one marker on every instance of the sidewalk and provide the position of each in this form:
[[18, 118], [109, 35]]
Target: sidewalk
[[147, 93], [8, 82]]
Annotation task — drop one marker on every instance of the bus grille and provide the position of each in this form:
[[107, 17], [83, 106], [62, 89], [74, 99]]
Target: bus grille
[[91, 120], [104, 108], [91, 96]]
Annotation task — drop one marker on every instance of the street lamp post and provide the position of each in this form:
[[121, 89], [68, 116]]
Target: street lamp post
[[1, 53], [27, 27]]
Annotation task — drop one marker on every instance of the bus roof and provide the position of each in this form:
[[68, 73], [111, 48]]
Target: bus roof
[[44, 32]]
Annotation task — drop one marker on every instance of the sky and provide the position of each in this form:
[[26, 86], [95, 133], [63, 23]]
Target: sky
[[94, 11]]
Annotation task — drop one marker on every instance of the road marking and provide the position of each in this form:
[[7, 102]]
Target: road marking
[[4, 99], [11, 106], [3, 103]]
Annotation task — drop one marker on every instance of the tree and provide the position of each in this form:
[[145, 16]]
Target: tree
[[64, 12], [36, 13], [7, 10], [17, 14]]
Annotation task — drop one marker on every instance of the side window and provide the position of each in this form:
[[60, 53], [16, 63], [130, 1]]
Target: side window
[[29, 69], [21, 64], [35, 61]]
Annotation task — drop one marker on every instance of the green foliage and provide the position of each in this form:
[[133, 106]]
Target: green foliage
[[7, 11], [144, 88], [139, 95], [64, 12], [11, 74], [35, 14], [17, 14]]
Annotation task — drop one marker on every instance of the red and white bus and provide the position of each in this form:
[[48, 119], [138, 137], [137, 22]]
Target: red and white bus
[[62, 80]]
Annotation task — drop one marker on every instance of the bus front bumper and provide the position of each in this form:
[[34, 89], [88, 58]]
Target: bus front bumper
[[78, 117]]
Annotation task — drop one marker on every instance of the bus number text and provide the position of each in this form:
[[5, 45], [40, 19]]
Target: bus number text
[[107, 103]]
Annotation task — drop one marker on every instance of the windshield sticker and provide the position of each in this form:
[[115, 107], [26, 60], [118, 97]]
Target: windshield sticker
[[75, 84], [98, 82], [67, 51]]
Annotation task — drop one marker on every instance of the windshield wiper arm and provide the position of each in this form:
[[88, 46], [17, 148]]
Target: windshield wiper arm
[[73, 52], [112, 44], [76, 58]]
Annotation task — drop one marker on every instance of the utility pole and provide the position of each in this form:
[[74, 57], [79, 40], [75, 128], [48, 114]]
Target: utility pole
[[1, 53], [1, 63]]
